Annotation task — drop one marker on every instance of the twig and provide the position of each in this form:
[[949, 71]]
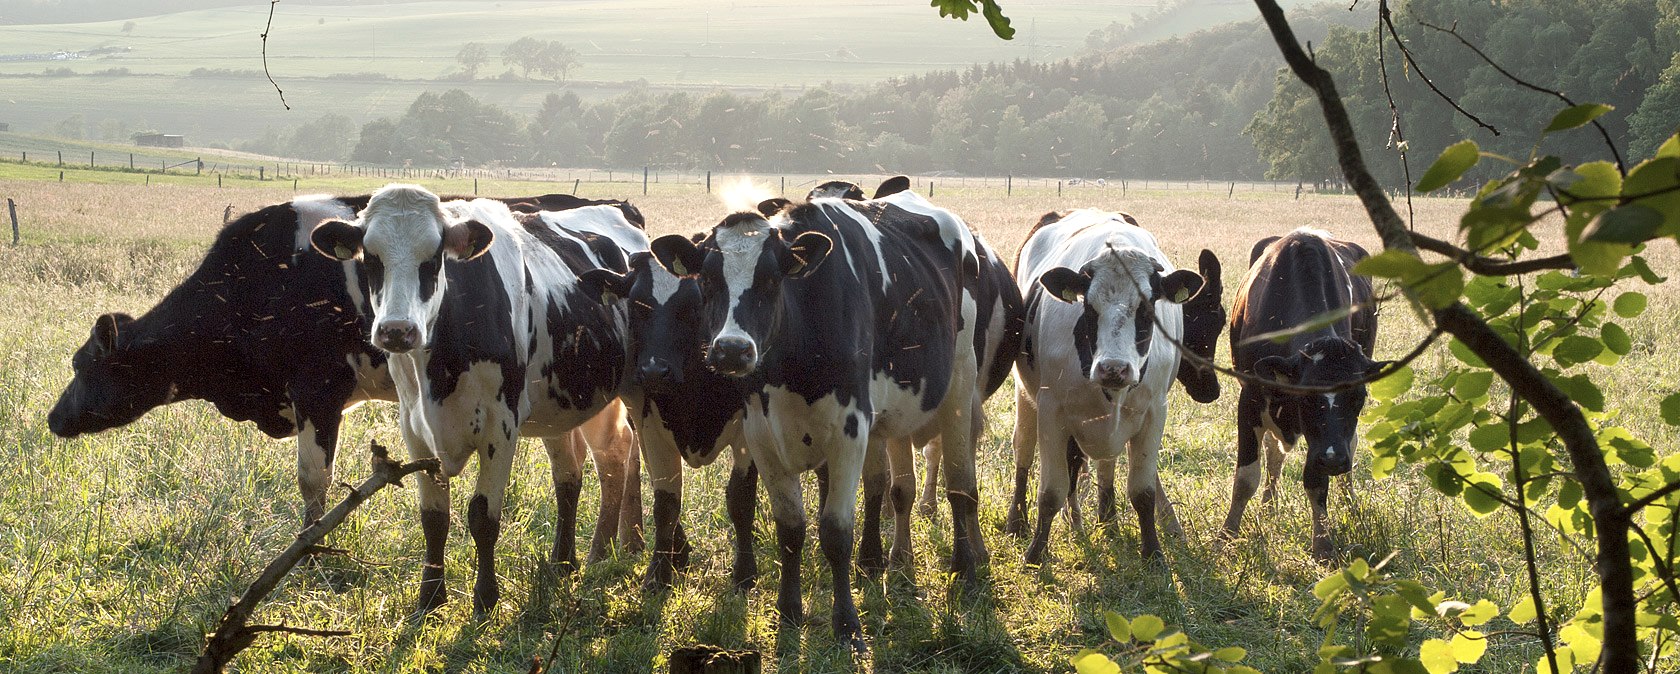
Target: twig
[[1388, 21], [1397, 136], [232, 634], [1650, 498], [271, 4], [1453, 31], [1487, 266]]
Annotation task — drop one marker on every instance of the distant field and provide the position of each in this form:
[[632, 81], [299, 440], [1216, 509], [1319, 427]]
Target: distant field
[[118, 550]]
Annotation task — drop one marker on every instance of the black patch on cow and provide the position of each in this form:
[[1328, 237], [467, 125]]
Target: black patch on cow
[[429, 271], [807, 439], [1085, 337], [851, 425]]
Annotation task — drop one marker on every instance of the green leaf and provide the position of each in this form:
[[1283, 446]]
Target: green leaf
[[1436, 656], [1462, 352], [1117, 626], [1575, 116], [1670, 147], [1452, 163], [1671, 409], [1468, 646], [1472, 385], [1482, 612], [1630, 304], [1652, 184], [1092, 662], [1492, 437], [1639, 267], [1582, 390], [1576, 349], [1630, 223], [1615, 339], [1146, 627], [1230, 654], [1523, 611], [1393, 385], [1480, 494], [961, 9]]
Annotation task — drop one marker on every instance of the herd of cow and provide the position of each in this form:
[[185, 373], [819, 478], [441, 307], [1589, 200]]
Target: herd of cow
[[834, 335]]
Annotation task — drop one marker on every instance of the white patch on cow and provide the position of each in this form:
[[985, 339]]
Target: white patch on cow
[[952, 230], [1314, 231], [454, 429], [1119, 286], [665, 283], [780, 435], [601, 220], [1330, 400], [741, 245], [373, 382], [312, 210], [869, 230]]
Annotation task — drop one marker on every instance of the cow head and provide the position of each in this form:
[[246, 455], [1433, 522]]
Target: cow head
[[740, 270], [1327, 420], [116, 381], [1119, 289], [838, 189], [1204, 320], [666, 336], [402, 238]]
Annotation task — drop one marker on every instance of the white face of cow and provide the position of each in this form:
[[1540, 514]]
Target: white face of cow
[[1118, 290], [402, 237]]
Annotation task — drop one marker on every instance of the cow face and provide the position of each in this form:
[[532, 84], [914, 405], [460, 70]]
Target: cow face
[[666, 335], [115, 382], [1119, 289], [402, 238], [741, 269], [1204, 320], [1328, 421]]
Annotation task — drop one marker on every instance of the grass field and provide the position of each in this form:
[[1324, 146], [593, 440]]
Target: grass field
[[118, 551]]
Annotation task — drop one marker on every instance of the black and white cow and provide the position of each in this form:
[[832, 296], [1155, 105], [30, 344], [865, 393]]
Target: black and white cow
[[487, 330], [849, 324], [1103, 313], [271, 333], [685, 412], [1292, 279]]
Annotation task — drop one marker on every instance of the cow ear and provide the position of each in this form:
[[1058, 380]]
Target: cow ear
[[892, 186], [467, 240], [770, 207], [605, 284], [1179, 286], [105, 329], [678, 254], [807, 252], [337, 239], [1277, 368], [1066, 284], [1208, 264]]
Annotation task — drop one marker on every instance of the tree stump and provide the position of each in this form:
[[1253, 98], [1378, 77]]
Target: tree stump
[[714, 660]]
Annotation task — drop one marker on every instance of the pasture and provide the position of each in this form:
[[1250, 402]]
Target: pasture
[[118, 551]]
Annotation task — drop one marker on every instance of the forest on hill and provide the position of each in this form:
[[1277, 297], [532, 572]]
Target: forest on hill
[[1211, 105]]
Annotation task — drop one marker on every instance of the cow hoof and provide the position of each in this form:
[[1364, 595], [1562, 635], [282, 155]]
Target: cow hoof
[[486, 593], [927, 509], [848, 631], [1323, 552], [1015, 525], [790, 614], [432, 596], [562, 566], [745, 574]]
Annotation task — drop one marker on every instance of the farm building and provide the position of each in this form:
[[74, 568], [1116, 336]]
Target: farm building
[[160, 140]]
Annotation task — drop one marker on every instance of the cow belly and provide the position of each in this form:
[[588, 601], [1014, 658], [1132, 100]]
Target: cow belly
[[473, 417], [781, 427], [1101, 426], [898, 409]]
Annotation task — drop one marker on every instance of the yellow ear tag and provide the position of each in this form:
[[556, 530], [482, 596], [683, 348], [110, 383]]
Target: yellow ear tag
[[1070, 296], [342, 251], [1183, 294], [678, 268]]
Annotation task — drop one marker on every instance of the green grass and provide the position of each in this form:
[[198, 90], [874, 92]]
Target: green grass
[[118, 551]]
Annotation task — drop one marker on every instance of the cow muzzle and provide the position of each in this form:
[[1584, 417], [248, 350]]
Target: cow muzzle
[[1114, 375], [397, 336], [655, 373], [1334, 460], [732, 356]]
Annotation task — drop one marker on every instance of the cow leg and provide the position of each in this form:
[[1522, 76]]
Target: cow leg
[[630, 508], [610, 442], [1250, 405], [664, 465], [1164, 509], [565, 464], [1026, 441], [1104, 478], [1318, 493], [484, 513], [901, 456], [835, 533], [787, 507], [740, 499], [1143, 482], [1054, 482], [1075, 470], [871, 559], [962, 489], [317, 440], [433, 492], [932, 454], [976, 426], [1274, 465]]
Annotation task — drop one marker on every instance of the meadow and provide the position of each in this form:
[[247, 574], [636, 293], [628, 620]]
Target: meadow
[[118, 551]]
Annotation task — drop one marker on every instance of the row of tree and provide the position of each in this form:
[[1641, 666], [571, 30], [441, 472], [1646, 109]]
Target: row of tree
[[1209, 105]]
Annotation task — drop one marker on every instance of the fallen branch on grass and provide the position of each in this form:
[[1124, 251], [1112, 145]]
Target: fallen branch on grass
[[234, 633]]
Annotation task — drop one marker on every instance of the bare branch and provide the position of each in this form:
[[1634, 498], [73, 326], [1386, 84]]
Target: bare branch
[[233, 634], [1388, 21], [271, 4], [1397, 135], [1650, 498], [1453, 31], [1487, 266]]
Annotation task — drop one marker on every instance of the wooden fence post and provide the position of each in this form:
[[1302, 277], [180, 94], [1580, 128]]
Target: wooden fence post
[[708, 182], [227, 214], [644, 180], [575, 183], [11, 207]]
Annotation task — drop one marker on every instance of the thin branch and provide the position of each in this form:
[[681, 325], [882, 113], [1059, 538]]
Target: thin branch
[[1487, 266], [1665, 573], [266, 28], [302, 631], [1650, 498], [1397, 137], [1388, 21], [233, 634], [1453, 31]]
